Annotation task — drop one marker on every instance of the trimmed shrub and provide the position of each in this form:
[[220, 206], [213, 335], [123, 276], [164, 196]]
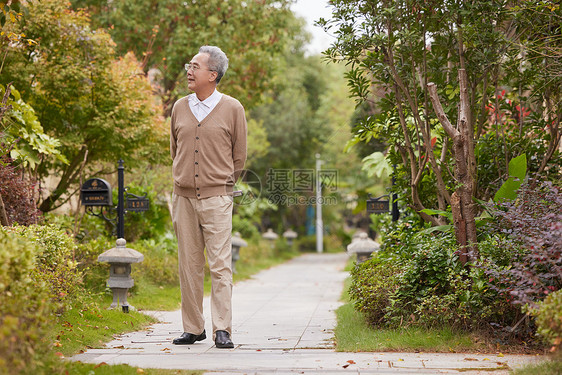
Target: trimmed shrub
[[418, 280], [549, 319], [25, 306], [54, 262], [372, 282], [160, 264]]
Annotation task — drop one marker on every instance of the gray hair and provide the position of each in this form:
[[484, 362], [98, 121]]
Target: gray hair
[[218, 62]]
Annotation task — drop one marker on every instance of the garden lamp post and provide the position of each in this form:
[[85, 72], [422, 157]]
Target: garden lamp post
[[290, 235], [362, 247], [270, 236], [120, 259]]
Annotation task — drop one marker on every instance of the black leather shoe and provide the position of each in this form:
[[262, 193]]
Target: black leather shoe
[[189, 338], [222, 340]]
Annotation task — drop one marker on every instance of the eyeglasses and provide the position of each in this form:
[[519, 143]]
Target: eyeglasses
[[193, 67]]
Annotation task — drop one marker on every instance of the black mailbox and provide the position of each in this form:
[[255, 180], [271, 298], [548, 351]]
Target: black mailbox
[[96, 192], [378, 205]]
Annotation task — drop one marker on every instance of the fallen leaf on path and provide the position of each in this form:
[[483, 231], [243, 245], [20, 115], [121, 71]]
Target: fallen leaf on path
[[119, 347], [345, 366], [60, 355], [351, 362], [500, 355], [471, 359]]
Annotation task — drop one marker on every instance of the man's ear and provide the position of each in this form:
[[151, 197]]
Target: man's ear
[[213, 76]]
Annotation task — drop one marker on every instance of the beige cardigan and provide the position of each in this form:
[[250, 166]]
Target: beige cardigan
[[208, 156]]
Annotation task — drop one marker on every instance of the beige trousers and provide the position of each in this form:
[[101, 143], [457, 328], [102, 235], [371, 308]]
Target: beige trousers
[[199, 224]]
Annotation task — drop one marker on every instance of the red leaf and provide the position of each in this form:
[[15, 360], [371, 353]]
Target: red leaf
[[433, 141]]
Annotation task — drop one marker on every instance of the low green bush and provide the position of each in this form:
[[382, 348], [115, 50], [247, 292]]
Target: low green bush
[[549, 318], [246, 227], [55, 264], [25, 306], [418, 280], [308, 243], [372, 283], [160, 264]]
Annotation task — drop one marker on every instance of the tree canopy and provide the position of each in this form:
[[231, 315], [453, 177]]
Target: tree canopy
[[493, 69], [99, 106], [166, 34]]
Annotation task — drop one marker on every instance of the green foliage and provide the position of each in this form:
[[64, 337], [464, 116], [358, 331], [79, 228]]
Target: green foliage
[[79, 368], [551, 366], [549, 318], [417, 280], [372, 283], [394, 49], [98, 106], [517, 172], [55, 264], [245, 227], [354, 334], [92, 325], [21, 130], [160, 264], [25, 306], [376, 165], [167, 34], [308, 243], [153, 223]]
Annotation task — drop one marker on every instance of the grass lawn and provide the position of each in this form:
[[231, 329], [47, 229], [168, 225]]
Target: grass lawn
[[92, 326], [353, 334], [551, 367], [78, 368]]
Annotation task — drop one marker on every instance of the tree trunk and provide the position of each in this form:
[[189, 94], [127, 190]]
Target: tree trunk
[[69, 176], [3, 216], [461, 205]]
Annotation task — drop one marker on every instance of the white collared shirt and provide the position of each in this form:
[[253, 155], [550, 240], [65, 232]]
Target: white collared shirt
[[201, 109]]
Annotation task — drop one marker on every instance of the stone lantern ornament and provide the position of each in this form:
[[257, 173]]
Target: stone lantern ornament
[[271, 236], [120, 259], [363, 247], [290, 235], [237, 243]]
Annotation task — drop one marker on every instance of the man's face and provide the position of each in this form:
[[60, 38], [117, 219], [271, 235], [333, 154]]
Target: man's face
[[199, 77]]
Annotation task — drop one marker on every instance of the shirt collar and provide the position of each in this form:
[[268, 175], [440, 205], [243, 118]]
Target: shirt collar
[[212, 100]]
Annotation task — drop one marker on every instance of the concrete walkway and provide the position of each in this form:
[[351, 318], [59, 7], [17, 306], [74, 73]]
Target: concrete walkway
[[283, 324]]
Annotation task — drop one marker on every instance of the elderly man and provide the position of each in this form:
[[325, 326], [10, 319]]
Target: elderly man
[[208, 147]]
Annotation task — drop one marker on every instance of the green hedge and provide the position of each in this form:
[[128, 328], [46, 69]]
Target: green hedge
[[55, 263], [25, 306]]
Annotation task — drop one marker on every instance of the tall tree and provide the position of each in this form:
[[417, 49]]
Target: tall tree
[[168, 33], [100, 107], [420, 54]]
